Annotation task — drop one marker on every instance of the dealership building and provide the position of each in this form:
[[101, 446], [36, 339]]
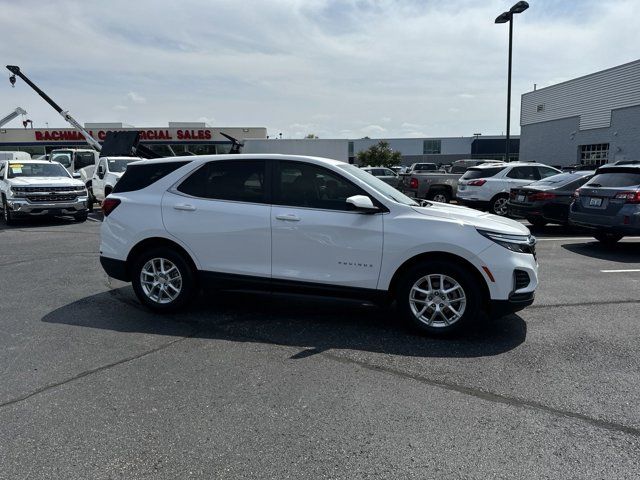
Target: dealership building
[[440, 150], [179, 138], [590, 120]]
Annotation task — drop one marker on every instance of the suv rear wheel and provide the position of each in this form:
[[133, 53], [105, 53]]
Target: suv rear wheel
[[607, 238], [162, 279], [438, 297], [498, 205]]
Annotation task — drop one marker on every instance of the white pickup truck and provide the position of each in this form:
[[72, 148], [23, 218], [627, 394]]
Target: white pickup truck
[[107, 174], [40, 188]]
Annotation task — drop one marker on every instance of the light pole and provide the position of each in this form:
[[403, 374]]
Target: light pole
[[504, 18]]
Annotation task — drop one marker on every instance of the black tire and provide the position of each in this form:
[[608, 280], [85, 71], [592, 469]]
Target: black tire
[[184, 268], [7, 215], [608, 238], [537, 222], [90, 198], [81, 217], [498, 205], [440, 195], [439, 326]]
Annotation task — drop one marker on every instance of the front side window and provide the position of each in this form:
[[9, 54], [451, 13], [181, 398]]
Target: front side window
[[119, 165], [234, 180], [523, 173], [304, 185]]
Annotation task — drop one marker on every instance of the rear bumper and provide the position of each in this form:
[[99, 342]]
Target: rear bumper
[[115, 268], [515, 303], [615, 224], [549, 212]]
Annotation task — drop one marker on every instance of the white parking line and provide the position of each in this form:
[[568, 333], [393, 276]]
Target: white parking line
[[621, 271]]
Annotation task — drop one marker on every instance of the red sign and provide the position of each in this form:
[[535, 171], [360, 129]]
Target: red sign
[[153, 134]]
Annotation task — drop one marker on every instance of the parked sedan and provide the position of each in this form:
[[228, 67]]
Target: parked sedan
[[548, 200], [385, 174], [609, 203]]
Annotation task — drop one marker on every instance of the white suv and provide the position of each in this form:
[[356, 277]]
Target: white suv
[[307, 224], [487, 186]]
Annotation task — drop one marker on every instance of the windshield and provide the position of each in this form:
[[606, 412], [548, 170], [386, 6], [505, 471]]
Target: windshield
[[119, 165], [378, 185], [36, 170], [429, 167], [63, 158]]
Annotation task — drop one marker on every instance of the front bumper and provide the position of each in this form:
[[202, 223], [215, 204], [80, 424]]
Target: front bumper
[[515, 303], [21, 206]]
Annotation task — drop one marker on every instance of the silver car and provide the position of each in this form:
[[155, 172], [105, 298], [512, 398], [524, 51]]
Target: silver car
[[385, 174]]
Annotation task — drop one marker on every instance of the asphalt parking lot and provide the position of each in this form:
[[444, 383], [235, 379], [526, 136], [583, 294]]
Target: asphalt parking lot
[[258, 386]]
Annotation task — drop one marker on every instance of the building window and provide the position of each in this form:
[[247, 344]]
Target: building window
[[540, 108], [351, 154], [431, 147], [595, 154]]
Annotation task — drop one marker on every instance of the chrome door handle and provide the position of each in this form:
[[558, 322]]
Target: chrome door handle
[[288, 217], [185, 206]]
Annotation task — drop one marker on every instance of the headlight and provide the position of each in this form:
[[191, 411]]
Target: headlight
[[515, 243], [15, 192]]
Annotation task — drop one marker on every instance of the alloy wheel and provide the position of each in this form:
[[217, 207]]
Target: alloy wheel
[[161, 280], [500, 206], [437, 300]]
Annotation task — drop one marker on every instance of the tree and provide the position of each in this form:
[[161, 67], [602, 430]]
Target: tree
[[311, 135], [379, 155]]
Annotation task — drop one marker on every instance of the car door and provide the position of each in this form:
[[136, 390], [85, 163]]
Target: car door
[[315, 236], [97, 182], [222, 214]]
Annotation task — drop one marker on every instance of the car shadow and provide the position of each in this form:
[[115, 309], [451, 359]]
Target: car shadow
[[312, 324], [556, 230], [623, 252]]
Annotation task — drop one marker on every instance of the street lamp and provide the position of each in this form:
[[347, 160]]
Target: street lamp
[[504, 18]]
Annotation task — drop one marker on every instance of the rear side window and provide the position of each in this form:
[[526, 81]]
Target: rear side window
[[615, 179], [141, 176], [474, 173], [235, 180]]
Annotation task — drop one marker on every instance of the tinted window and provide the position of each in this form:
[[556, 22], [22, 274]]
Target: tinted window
[[84, 159], [622, 179], [141, 176], [523, 173], [304, 185], [428, 167], [547, 172], [236, 180], [474, 173]]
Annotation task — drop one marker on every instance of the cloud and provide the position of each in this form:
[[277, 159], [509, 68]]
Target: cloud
[[135, 98], [328, 64]]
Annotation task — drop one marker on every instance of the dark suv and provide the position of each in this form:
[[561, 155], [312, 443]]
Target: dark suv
[[609, 203]]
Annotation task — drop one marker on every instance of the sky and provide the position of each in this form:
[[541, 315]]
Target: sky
[[338, 69]]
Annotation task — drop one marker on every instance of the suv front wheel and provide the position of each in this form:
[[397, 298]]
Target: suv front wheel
[[163, 280], [438, 297]]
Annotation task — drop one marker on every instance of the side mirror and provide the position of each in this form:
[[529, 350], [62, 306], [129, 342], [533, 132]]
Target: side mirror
[[76, 175], [363, 203], [101, 171]]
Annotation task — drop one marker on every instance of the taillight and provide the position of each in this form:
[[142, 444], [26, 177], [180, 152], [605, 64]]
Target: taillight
[[629, 197], [539, 196], [477, 183], [413, 183], [109, 205], [576, 194]]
